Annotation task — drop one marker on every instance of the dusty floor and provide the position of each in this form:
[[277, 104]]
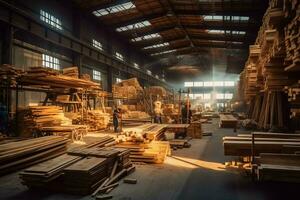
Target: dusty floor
[[192, 173]]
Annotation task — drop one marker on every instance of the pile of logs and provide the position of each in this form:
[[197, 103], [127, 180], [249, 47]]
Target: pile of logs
[[18, 154]]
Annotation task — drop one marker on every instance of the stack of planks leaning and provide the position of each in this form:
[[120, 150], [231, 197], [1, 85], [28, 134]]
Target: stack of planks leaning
[[22, 153], [275, 155], [82, 170]]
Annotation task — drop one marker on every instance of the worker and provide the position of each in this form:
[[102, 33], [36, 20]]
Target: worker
[[186, 114], [116, 117], [157, 112]]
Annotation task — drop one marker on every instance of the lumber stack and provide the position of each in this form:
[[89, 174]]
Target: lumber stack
[[228, 121], [71, 71], [195, 129], [46, 77], [34, 118], [9, 74], [278, 167], [156, 91], [129, 88], [97, 120], [263, 143], [19, 154]]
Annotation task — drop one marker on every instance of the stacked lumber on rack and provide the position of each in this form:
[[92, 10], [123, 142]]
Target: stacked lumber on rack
[[71, 71], [34, 118], [129, 89], [156, 91], [263, 143], [19, 154], [278, 167], [47, 77], [9, 74], [228, 121]]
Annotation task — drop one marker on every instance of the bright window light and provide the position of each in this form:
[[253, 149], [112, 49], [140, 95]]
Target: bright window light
[[219, 96], [50, 19], [207, 96], [216, 31], [218, 83], [226, 18], [238, 32], [207, 83], [114, 9], [50, 62], [149, 72], [228, 95], [188, 84], [119, 56], [198, 96], [96, 75], [198, 84], [97, 45], [133, 26], [118, 80], [164, 52], [136, 65], [146, 37], [228, 83], [191, 96], [157, 45]]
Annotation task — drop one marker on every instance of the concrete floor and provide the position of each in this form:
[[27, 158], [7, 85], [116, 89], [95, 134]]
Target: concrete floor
[[193, 173]]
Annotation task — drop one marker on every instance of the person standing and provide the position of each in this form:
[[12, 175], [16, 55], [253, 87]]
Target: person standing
[[116, 116]]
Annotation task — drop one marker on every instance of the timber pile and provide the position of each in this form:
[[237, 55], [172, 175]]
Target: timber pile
[[156, 91], [71, 71], [19, 154], [130, 89], [97, 120], [228, 121], [135, 115], [278, 167], [47, 77], [272, 64], [195, 130], [263, 143], [9, 74], [34, 118]]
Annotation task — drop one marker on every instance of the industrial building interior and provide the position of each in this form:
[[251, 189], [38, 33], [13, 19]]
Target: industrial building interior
[[149, 99]]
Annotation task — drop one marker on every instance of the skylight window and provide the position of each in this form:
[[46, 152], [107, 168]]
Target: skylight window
[[50, 62], [119, 56], [97, 45], [114, 9], [156, 76], [164, 52], [157, 45], [133, 26], [51, 20], [238, 32], [136, 65], [225, 18], [146, 37], [216, 31], [149, 72]]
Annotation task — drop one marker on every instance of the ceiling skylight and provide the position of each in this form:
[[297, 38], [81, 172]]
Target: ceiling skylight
[[133, 26], [216, 31], [225, 18], [114, 9], [164, 52], [157, 45], [146, 37]]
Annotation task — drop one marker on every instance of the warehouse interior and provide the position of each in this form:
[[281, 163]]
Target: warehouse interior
[[149, 99]]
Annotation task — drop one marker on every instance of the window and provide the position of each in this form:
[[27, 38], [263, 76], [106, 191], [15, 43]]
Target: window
[[136, 65], [133, 26], [208, 84], [238, 32], [146, 37], [114, 9], [218, 83], [229, 83], [226, 18], [206, 96], [228, 95], [156, 76], [97, 44], [164, 52], [51, 20], [198, 96], [220, 96], [149, 72], [216, 31], [188, 84], [198, 84], [96, 75], [191, 96], [50, 62], [157, 45], [119, 56], [118, 80]]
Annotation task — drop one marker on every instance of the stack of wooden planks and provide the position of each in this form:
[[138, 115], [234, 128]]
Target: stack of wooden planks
[[47, 77], [129, 88], [263, 143], [195, 129], [15, 155], [71, 71], [97, 120], [278, 167], [228, 121], [9, 74]]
